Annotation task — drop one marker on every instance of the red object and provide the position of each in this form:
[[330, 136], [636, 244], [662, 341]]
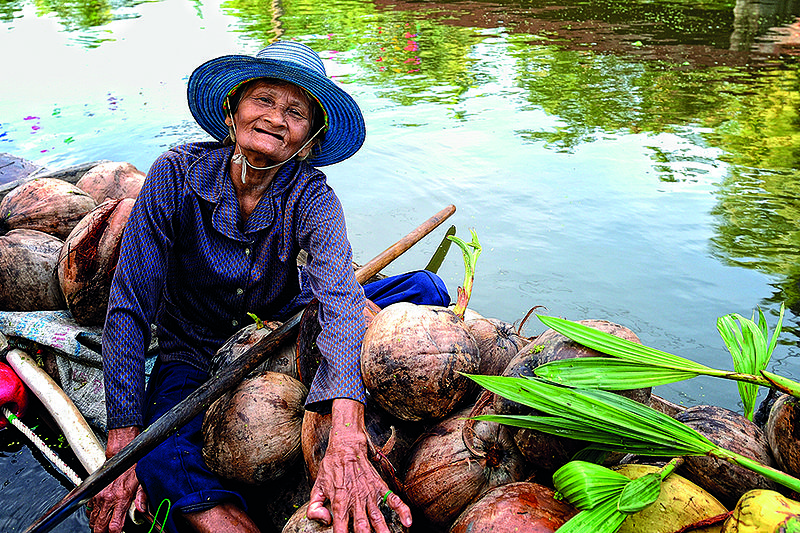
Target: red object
[[12, 393]]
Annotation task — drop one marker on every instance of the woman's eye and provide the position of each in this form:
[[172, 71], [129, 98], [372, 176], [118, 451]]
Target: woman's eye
[[266, 100], [296, 113]]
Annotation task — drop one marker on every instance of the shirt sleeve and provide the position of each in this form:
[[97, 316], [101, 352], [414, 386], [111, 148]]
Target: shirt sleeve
[[136, 291], [324, 235]]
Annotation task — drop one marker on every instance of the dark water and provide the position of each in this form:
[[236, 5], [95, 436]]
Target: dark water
[[632, 161], [29, 483]]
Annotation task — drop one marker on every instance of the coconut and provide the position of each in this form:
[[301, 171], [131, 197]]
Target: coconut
[[300, 523], [549, 452], [308, 354], [28, 280], [111, 181], [763, 510], [732, 431], [252, 433], [782, 433], [50, 205], [390, 440], [282, 360], [456, 461], [515, 507], [497, 344], [413, 358], [88, 260], [680, 504]]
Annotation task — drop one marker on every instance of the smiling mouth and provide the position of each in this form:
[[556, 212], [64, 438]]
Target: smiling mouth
[[265, 132]]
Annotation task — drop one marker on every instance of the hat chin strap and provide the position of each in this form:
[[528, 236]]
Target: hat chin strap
[[241, 159]]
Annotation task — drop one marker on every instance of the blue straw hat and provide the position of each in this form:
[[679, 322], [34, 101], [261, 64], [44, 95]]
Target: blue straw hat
[[289, 61]]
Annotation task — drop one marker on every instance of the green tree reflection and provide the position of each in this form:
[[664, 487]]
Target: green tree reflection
[[88, 16], [9, 9]]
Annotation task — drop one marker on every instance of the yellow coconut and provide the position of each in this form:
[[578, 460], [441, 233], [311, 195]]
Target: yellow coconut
[[763, 511], [681, 503]]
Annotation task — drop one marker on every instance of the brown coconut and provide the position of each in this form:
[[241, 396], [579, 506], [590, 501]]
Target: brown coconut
[[412, 360], [732, 431], [783, 433], [28, 280], [300, 523], [456, 461], [390, 441], [549, 452], [282, 360], [111, 181], [88, 260], [515, 507], [308, 354], [497, 342], [50, 205], [252, 433]]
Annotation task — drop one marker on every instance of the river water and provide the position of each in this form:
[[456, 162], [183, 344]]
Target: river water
[[631, 161]]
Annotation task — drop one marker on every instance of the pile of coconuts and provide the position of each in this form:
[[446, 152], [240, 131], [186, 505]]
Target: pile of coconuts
[[59, 243]]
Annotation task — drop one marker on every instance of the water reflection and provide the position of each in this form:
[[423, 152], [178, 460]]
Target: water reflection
[[702, 96]]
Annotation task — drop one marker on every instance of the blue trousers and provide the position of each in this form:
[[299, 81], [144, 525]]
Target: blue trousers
[[175, 469]]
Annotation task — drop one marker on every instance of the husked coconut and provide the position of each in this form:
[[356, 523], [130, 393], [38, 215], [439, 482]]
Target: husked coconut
[[515, 507], [282, 360], [725, 480], [308, 354], [252, 433], [88, 260], [413, 359], [549, 452], [456, 461], [28, 280], [783, 428], [50, 205], [497, 342], [112, 181]]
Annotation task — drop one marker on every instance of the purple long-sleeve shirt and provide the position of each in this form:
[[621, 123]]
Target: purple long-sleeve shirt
[[188, 264]]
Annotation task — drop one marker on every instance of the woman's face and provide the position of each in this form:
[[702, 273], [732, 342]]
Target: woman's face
[[272, 122]]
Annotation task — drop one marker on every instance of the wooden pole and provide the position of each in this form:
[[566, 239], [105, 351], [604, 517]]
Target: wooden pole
[[212, 389]]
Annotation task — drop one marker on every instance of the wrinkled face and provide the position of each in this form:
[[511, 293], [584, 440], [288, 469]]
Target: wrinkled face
[[272, 121]]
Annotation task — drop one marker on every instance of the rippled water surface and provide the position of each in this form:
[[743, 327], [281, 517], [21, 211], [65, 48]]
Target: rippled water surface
[[631, 161]]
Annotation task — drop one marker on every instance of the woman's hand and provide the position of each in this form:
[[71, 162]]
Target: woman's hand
[[348, 480], [107, 510]]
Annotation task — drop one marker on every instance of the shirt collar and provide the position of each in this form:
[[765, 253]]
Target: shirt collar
[[209, 177]]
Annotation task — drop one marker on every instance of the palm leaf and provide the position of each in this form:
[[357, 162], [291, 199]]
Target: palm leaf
[[586, 485], [609, 374], [611, 422], [622, 348]]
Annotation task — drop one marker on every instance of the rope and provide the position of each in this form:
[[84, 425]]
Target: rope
[[61, 465], [39, 443]]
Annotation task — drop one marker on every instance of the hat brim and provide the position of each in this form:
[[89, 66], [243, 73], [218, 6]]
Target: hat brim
[[211, 82]]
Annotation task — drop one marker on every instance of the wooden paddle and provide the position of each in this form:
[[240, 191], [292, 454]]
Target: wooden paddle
[[212, 389]]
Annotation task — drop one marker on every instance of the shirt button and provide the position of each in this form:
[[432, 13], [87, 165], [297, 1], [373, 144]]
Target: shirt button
[[235, 323], [240, 291], [247, 251]]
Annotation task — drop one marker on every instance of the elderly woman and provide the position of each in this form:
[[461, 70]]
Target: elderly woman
[[215, 234]]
